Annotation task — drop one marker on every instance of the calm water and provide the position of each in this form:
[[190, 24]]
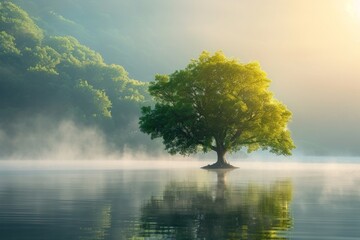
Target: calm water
[[313, 202]]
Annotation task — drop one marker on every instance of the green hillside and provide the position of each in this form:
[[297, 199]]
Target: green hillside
[[59, 78]]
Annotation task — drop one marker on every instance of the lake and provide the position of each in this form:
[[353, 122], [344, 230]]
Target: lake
[[138, 200]]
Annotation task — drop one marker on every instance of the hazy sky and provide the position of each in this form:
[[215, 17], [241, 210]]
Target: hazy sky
[[309, 48]]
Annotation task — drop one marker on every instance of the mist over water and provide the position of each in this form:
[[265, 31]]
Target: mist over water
[[125, 199], [46, 139], [40, 138]]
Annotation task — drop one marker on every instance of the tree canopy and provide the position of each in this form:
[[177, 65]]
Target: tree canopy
[[219, 104]]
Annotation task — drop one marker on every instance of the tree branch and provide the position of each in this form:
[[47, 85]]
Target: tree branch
[[251, 142], [236, 135]]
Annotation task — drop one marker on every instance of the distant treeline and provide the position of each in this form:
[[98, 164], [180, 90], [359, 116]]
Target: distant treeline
[[57, 77]]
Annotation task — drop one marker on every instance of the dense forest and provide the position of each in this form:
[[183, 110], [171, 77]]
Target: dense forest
[[56, 78]]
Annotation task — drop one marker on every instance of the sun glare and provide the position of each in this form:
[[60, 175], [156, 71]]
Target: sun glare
[[353, 8]]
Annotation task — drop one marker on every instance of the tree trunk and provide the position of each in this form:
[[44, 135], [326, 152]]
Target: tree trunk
[[221, 158], [221, 162]]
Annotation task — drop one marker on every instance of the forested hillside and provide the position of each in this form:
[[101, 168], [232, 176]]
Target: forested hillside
[[58, 78]]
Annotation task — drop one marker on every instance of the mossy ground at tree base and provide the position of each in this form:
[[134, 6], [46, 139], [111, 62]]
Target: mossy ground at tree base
[[219, 165]]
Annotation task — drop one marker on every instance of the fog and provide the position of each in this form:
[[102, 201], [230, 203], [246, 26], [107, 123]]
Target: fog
[[40, 138], [309, 49], [41, 142], [46, 143]]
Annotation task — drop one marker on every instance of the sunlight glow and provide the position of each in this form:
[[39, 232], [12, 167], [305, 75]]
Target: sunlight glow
[[353, 8]]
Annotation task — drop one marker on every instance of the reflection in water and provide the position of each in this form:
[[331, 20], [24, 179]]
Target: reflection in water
[[100, 227], [189, 211], [117, 205]]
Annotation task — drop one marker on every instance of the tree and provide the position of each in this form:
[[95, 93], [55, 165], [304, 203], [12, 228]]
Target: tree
[[217, 104]]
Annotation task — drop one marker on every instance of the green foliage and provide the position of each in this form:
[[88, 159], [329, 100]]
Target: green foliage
[[93, 97], [59, 77], [45, 58], [217, 103], [73, 52], [16, 22], [7, 44]]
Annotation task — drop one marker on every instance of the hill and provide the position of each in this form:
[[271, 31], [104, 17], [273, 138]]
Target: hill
[[57, 78]]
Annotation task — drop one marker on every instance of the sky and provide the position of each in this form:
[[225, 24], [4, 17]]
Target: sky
[[309, 49]]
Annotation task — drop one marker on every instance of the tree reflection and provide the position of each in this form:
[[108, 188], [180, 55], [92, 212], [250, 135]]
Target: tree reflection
[[187, 210], [100, 225]]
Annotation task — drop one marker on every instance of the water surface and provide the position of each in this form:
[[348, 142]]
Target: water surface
[[300, 202]]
